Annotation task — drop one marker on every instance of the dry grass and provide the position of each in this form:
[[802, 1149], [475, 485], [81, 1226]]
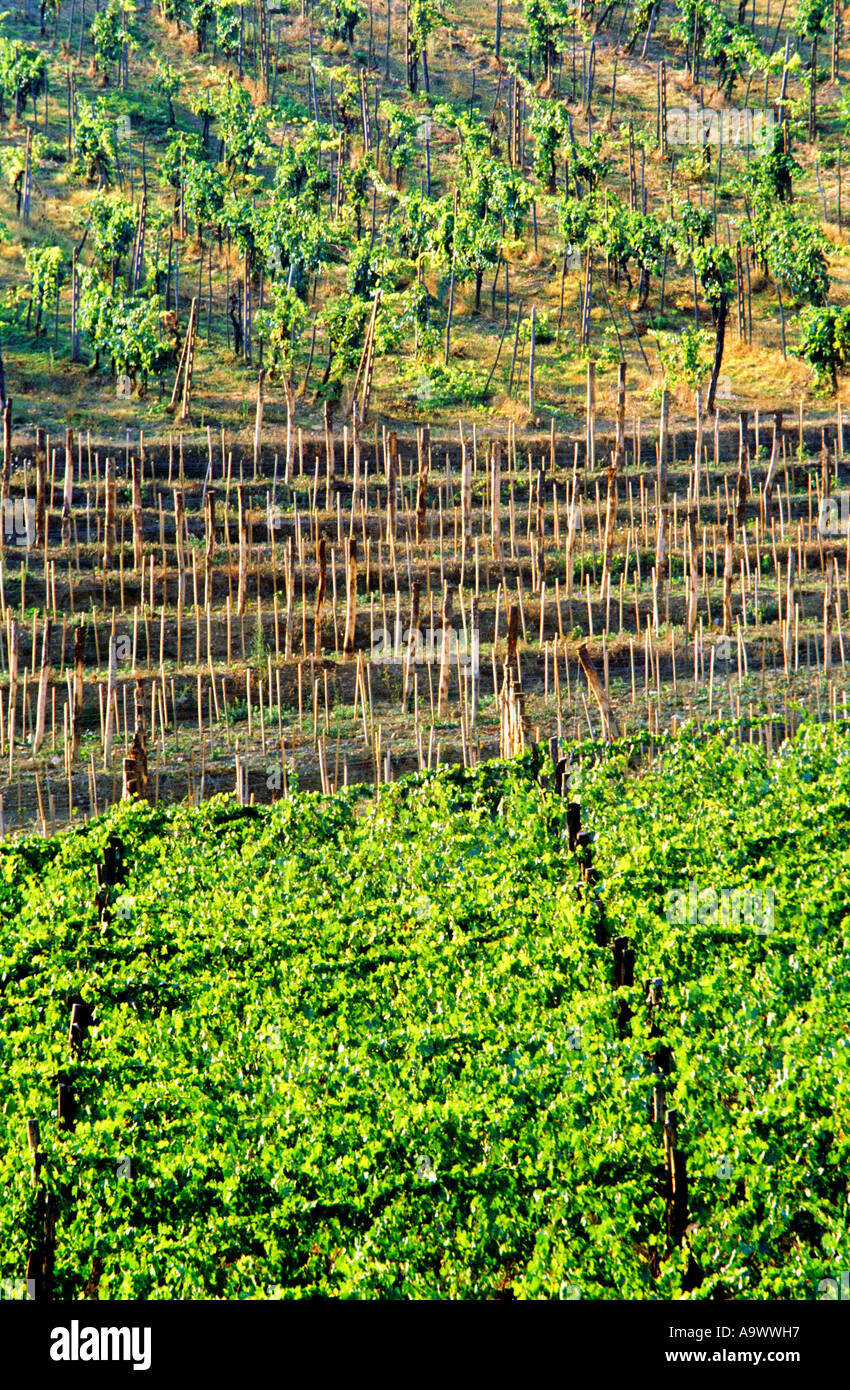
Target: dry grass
[[257, 90], [509, 409]]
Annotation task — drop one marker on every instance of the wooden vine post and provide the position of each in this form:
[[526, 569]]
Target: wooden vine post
[[68, 488], [677, 1181], [209, 549], [135, 765], [43, 680], [424, 448], [258, 422], [624, 978], [610, 727], [137, 520], [663, 433], [110, 702], [728, 572], [40, 1257], [13, 690], [77, 717], [320, 596], [7, 439], [183, 379], [465, 501], [243, 552], [351, 596], [109, 518], [496, 501], [693, 573], [445, 653], [392, 474], [413, 642], [40, 485], [612, 472], [111, 873]]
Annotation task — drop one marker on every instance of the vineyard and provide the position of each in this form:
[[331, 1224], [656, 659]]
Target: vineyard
[[185, 624], [539, 426], [240, 1114], [424, 577]]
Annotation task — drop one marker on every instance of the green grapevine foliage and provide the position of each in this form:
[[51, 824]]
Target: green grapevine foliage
[[363, 1055], [825, 341]]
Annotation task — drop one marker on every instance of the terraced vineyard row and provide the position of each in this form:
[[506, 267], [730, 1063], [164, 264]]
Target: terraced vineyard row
[[253, 622], [366, 1050]]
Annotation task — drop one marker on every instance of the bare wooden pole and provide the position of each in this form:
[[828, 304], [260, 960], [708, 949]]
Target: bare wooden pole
[[412, 651], [445, 653], [40, 481], [728, 573], [109, 519], [392, 476], [79, 660], [243, 553], [44, 676], [424, 446], [138, 535], [320, 596], [693, 584], [68, 488], [258, 421], [110, 692], [351, 596], [606, 710]]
